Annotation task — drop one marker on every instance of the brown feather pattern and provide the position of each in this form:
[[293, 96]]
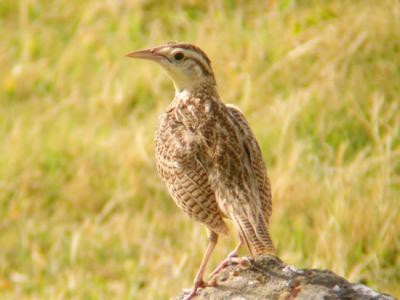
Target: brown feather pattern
[[213, 166]]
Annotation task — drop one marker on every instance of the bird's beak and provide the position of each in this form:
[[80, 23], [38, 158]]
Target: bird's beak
[[150, 53]]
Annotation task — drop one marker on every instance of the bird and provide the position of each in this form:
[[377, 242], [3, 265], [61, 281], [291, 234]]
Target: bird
[[209, 157]]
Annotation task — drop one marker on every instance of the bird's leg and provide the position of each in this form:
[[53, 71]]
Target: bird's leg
[[231, 258], [235, 251], [198, 280]]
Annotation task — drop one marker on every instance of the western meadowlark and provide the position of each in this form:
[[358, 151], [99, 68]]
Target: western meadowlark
[[208, 156]]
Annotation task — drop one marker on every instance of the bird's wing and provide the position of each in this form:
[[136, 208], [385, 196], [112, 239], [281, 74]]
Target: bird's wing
[[186, 177], [253, 152], [252, 206]]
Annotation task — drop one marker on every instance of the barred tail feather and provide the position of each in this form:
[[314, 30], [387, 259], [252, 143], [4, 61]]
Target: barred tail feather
[[243, 235], [257, 239]]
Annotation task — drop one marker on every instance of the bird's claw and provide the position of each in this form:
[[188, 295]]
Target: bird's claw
[[198, 285], [226, 262]]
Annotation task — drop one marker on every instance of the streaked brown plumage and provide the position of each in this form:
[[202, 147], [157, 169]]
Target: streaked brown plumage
[[208, 156]]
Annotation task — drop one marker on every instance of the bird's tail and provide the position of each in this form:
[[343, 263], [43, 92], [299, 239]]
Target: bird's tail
[[255, 236]]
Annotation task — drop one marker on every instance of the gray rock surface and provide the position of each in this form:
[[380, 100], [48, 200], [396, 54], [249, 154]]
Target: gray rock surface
[[268, 277]]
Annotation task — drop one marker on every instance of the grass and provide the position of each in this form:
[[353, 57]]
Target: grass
[[83, 212]]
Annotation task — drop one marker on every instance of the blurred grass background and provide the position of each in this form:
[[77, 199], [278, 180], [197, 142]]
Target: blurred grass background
[[83, 214]]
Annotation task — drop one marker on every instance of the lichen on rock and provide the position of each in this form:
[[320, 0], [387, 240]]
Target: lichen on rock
[[267, 277]]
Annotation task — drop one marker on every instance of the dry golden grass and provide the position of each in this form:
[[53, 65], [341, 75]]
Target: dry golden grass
[[83, 213]]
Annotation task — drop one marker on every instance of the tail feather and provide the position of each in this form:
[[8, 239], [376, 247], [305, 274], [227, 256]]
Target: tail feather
[[244, 236], [256, 238]]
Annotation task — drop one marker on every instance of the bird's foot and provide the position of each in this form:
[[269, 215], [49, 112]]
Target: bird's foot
[[198, 285], [231, 259]]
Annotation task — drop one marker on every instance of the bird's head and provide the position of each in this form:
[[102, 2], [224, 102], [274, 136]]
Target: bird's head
[[187, 65]]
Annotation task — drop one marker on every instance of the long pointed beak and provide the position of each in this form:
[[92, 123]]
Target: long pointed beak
[[151, 53]]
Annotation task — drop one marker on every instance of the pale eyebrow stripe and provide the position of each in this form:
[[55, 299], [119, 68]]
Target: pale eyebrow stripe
[[198, 56]]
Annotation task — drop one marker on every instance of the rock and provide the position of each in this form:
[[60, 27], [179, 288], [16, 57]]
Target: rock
[[267, 277]]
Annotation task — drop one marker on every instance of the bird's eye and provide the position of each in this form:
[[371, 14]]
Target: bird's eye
[[178, 56]]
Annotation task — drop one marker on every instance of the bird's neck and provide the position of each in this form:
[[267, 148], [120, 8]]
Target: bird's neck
[[203, 93], [201, 90]]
